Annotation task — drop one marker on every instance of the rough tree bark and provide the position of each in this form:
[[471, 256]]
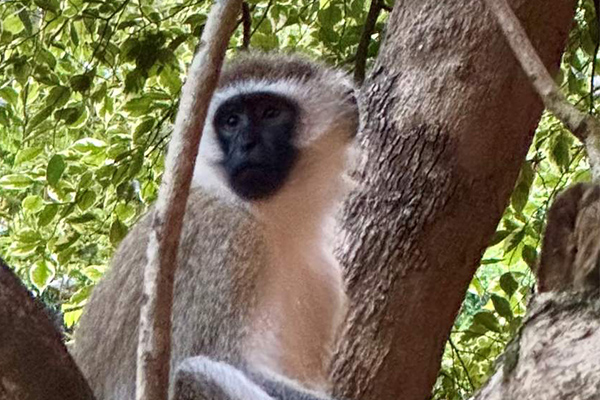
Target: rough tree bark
[[448, 117], [555, 355], [34, 362]]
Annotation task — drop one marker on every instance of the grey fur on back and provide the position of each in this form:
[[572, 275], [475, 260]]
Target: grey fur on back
[[217, 236]]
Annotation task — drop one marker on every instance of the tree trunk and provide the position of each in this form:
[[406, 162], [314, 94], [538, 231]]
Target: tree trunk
[[448, 117], [34, 363], [555, 355]]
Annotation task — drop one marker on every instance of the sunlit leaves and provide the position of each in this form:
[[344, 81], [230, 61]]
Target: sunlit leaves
[[502, 306], [118, 230], [32, 204], [56, 167], [41, 274], [47, 215], [508, 284], [15, 181]]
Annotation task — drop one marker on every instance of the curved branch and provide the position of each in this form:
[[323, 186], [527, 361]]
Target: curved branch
[[154, 348], [363, 46]]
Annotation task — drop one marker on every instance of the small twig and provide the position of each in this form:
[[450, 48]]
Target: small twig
[[584, 126], [362, 51], [154, 347], [595, 58], [246, 25], [462, 363], [264, 16]]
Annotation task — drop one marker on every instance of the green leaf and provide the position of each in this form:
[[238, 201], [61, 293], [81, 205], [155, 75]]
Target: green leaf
[[41, 274], [514, 240], [134, 81], [9, 95], [94, 272], [498, 237], [529, 254], [48, 5], [502, 306], [329, 16], [488, 261], [88, 145], [56, 167], [45, 56], [69, 115], [26, 20], [40, 117], [85, 200], [86, 180], [71, 317], [169, 77], [138, 106], [29, 236], [139, 134], [12, 24], [81, 295], [28, 154], [81, 83], [125, 211], [47, 215], [118, 231], [264, 42], [137, 162], [82, 219], [15, 181], [64, 242], [74, 35], [508, 284], [487, 319], [560, 150], [32, 204], [65, 256], [58, 97], [520, 195]]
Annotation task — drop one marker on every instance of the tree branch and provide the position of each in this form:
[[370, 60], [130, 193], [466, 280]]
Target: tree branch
[[363, 46], [595, 58], [154, 348], [246, 25], [34, 362], [585, 127]]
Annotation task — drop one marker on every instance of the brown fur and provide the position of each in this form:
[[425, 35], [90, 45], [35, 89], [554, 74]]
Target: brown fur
[[255, 67], [214, 291]]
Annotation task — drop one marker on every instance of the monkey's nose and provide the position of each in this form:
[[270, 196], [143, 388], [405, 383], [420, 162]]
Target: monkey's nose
[[248, 141]]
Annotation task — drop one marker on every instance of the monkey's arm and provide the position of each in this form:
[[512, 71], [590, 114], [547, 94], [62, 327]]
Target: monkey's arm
[[200, 378]]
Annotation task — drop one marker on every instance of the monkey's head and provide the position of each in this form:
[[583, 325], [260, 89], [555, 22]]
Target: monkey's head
[[274, 120]]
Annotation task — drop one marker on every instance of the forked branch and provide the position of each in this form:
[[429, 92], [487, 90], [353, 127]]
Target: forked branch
[[584, 126]]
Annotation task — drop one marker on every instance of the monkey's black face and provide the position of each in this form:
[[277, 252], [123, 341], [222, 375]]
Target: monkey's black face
[[256, 132]]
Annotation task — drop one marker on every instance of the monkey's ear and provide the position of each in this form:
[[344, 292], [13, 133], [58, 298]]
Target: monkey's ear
[[202, 378]]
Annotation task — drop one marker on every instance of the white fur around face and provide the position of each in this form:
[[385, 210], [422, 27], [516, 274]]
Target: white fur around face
[[319, 115]]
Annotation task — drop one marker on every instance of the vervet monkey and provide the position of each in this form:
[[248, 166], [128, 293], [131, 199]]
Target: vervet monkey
[[257, 286]]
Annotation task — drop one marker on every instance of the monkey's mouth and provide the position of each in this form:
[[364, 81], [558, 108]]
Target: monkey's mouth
[[254, 181], [249, 170]]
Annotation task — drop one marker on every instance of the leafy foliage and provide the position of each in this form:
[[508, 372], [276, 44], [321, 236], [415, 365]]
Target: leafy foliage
[[88, 92]]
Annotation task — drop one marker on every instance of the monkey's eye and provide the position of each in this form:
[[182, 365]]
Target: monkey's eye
[[232, 121], [271, 112]]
